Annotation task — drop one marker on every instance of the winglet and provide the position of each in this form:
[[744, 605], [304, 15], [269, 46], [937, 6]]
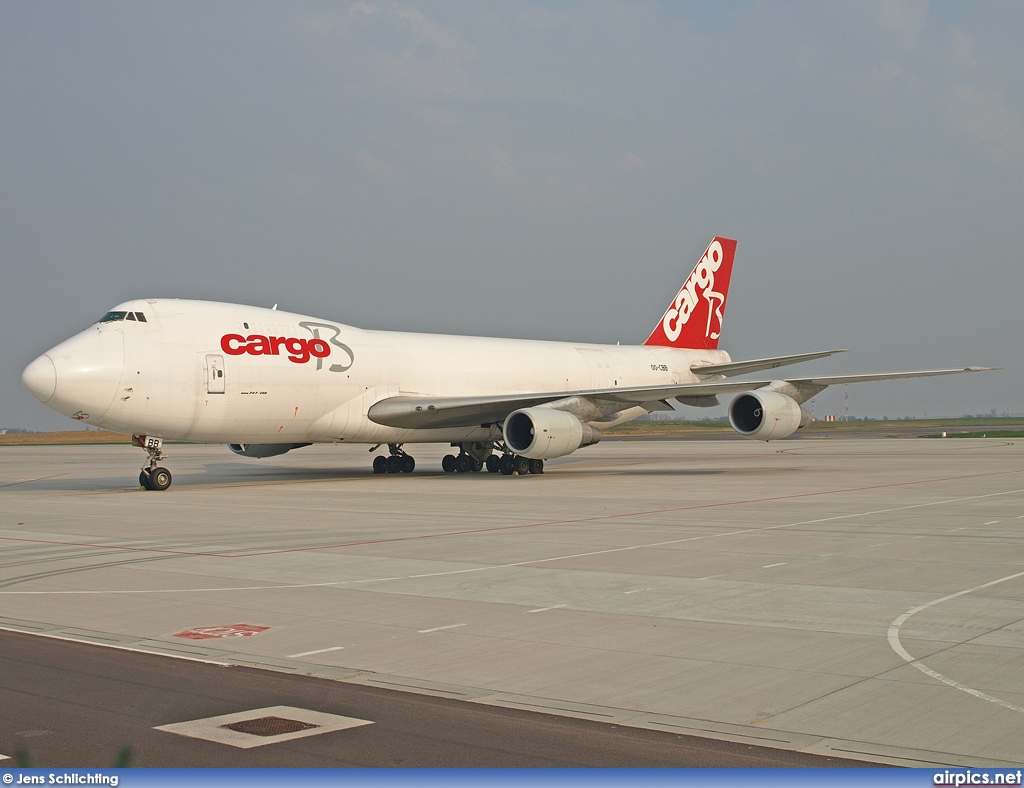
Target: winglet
[[694, 318]]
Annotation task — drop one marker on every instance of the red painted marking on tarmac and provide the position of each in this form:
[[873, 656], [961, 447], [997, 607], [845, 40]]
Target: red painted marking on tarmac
[[223, 631], [467, 532], [29, 481]]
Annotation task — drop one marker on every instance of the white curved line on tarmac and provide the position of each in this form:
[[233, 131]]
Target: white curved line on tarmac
[[531, 562], [894, 641]]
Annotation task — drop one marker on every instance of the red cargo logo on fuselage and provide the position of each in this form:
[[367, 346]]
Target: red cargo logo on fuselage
[[298, 350]]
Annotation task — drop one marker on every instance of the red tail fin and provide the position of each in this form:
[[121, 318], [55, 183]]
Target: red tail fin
[[694, 318]]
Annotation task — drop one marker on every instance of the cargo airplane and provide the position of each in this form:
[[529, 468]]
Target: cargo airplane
[[266, 382]]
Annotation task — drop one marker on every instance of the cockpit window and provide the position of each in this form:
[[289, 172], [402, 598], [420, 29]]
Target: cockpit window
[[111, 317]]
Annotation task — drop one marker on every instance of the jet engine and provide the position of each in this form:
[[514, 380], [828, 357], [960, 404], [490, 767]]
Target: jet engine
[[261, 450], [765, 415], [543, 433]]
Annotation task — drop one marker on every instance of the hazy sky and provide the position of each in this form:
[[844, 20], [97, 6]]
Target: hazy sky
[[528, 169]]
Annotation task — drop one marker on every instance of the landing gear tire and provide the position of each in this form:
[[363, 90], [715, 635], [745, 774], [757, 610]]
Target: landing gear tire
[[520, 465], [393, 464], [536, 466], [144, 479], [493, 463], [159, 479], [463, 463], [380, 464], [448, 463], [475, 465], [408, 464], [505, 465]]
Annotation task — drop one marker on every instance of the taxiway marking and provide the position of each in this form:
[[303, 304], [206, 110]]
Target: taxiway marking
[[897, 646], [772, 566], [545, 609], [318, 651], [438, 629]]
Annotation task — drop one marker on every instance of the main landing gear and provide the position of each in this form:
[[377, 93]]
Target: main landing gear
[[474, 457], [152, 476], [396, 462], [517, 465]]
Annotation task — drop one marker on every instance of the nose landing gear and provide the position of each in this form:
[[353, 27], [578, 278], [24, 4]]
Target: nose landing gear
[[155, 478], [152, 476]]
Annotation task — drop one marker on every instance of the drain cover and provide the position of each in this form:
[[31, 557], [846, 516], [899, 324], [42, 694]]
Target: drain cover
[[269, 726]]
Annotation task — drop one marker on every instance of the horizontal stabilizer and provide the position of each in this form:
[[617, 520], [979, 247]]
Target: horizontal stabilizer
[[719, 371]]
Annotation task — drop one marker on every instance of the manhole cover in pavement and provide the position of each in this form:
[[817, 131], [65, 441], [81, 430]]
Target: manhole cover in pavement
[[269, 726]]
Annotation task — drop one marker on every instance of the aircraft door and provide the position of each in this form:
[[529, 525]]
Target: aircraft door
[[215, 374]]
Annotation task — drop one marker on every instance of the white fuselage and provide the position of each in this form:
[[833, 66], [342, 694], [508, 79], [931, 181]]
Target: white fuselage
[[213, 372]]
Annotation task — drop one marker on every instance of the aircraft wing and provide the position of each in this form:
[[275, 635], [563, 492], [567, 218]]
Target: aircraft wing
[[421, 412], [415, 412]]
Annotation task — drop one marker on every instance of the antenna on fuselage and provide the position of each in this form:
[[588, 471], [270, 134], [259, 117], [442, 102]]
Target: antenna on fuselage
[[274, 307]]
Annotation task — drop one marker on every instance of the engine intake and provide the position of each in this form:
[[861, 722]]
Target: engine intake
[[766, 415], [544, 433]]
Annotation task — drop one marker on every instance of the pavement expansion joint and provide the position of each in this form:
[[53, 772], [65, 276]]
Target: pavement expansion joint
[[103, 638], [561, 707], [413, 685], [899, 756], [260, 727], [22, 626]]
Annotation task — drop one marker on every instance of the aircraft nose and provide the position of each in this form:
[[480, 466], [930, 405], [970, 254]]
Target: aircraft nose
[[40, 378], [80, 376]]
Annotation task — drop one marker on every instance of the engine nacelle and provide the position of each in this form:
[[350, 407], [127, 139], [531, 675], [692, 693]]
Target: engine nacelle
[[544, 433], [766, 415], [261, 450]]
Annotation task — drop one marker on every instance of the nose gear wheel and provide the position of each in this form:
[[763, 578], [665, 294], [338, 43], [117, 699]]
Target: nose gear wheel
[[153, 476]]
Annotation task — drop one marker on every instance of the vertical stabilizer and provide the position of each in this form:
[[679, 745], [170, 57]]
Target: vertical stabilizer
[[694, 318]]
